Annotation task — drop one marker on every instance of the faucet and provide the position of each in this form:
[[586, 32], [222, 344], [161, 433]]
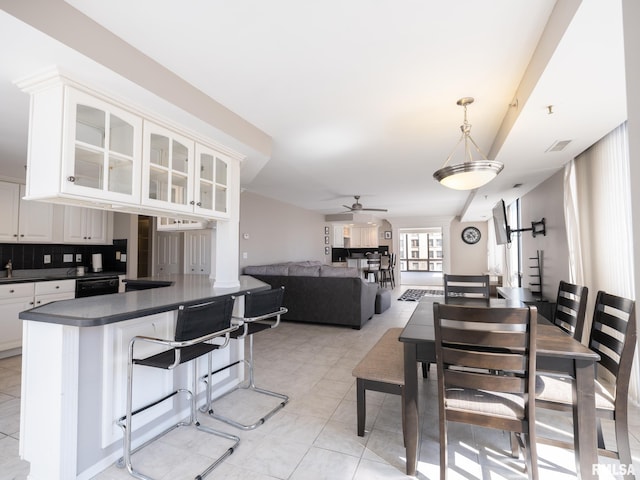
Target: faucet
[[9, 268]]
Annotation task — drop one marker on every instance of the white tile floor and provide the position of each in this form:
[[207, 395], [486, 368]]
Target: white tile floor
[[314, 436]]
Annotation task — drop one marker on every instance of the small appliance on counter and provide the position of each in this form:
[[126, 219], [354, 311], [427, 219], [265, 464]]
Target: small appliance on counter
[[96, 262], [80, 271]]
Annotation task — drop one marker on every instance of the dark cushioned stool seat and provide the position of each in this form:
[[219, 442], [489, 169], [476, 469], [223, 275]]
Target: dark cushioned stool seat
[[383, 300]]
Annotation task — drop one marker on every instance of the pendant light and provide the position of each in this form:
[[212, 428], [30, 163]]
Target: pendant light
[[470, 174]]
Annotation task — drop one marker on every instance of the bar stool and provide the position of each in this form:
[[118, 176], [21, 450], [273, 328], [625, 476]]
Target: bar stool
[[196, 326], [260, 308]]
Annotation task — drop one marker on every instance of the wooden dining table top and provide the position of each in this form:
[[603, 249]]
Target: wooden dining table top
[[551, 341]]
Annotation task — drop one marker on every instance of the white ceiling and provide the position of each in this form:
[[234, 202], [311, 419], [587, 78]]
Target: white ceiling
[[359, 96]]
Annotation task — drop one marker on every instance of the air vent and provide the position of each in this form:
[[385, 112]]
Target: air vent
[[558, 146]]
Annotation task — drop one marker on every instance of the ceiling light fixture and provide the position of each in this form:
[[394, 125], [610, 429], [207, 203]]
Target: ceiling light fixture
[[470, 174]]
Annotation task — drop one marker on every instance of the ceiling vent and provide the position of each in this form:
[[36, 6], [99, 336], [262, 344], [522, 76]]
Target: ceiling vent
[[558, 146]]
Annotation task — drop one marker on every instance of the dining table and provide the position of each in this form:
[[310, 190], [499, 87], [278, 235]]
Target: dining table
[[556, 352]]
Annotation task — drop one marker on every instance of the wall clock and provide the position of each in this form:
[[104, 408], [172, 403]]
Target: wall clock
[[471, 235]]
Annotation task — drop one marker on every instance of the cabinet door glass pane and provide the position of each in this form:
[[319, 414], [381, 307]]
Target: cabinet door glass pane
[[179, 189], [221, 172], [88, 170], [120, 175], [121, 136], [180, 157], [158, 184], [159, 150], [90, 125], [206, 195], [221, 199], [206, 166]]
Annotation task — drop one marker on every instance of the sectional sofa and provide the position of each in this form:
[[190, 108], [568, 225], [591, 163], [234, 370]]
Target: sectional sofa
[[320, 293]]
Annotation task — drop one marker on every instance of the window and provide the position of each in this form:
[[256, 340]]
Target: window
[[421, 251]]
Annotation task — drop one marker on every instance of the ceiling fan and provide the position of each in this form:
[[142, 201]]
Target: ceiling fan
[[357, 207]]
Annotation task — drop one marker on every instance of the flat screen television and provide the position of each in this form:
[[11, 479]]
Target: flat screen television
[[503, 232]]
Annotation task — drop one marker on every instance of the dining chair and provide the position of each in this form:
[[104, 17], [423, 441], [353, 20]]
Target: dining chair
[[473, 286], [373, 267], [262, 311], [571, 305], [196, 328], [385, 270], [613, 336], [486, 364], [456, 286]]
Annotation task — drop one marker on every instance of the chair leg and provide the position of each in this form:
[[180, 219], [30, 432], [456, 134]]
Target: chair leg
[[443, 449], [250, 385], [425, 369], [531, 455], [125, 423], [361, 406], [622, 443]]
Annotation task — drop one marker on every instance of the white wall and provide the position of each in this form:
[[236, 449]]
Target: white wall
[[547, 201], [279, 232], [468, 259]]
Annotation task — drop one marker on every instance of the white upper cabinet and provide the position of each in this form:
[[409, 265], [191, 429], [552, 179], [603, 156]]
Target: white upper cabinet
[[23, 220], [180, 175], [88, 149], [86, 225], [211, 182], [102, 150], [167, 178]]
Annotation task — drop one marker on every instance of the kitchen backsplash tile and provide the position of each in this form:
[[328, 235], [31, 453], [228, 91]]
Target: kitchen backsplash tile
[[25, 256]]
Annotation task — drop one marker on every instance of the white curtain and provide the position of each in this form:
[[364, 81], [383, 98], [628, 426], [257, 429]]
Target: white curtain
[[598, 221]]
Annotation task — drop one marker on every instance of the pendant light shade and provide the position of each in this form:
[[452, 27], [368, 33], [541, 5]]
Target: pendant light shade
[[470, 174]]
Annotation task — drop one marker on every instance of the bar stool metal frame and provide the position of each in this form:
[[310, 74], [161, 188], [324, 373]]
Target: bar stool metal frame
[[196, 326], [260, 308]]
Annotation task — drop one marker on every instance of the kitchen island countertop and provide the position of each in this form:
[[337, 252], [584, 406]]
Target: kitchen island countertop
[[117, 307]]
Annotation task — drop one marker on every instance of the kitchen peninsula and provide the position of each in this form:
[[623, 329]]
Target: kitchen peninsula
[[74, 373]]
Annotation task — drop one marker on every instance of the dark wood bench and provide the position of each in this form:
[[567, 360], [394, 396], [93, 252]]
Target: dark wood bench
[[381, 370]]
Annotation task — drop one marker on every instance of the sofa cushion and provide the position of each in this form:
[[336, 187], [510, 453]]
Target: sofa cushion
[[297, 270], [275, 269], [331, 271]]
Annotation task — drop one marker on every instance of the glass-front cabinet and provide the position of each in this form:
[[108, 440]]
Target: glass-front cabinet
[[102, 150], [168, 169], [210, 182]]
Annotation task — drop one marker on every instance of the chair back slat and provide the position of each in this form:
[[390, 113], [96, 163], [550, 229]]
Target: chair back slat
[[613, 337], [571, 305], [476, 286], [489, 339], [196, 321], [482, 381], [480, 359], [478, 341], [263, 302]]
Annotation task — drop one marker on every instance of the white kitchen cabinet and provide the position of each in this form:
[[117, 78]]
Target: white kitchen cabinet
[[168, 164], [46, 292], [364, 237], [183, 176], [23, 220], [169, 224], [340, 232], [14, 298], [86, 225], [82, 147], [211, 182], [87, 149], [101, 149]]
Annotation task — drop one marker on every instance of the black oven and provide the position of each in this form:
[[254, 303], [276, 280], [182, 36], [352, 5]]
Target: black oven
[[89, 287]]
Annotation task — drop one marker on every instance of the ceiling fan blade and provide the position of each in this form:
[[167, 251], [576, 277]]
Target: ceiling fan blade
[[347, 206], [375, 209]]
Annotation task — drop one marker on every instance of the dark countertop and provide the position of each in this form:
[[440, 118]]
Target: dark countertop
[[117, 307], [52, 275]]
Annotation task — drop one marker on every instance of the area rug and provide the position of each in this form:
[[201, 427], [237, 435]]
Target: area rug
[[414, 294]]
